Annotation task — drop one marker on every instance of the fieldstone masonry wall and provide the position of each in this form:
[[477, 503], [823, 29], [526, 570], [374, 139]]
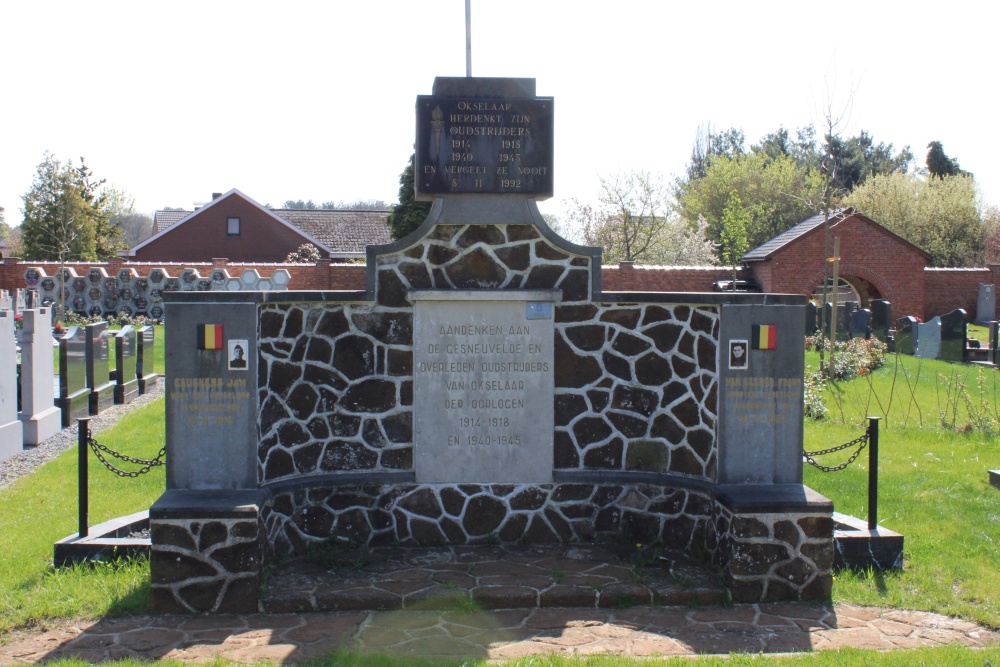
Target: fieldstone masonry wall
[[635, 437]]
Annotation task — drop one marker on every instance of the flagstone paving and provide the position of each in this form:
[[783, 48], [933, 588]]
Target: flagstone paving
[[498, 634], [491, 577], [492, 603]]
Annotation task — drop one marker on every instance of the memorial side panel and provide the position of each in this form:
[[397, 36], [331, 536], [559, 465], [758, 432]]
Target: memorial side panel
[[483, 392]]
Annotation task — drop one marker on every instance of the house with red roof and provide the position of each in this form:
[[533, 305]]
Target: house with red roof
[[238, 228]]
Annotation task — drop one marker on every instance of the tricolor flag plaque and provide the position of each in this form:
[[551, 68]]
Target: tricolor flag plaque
[[209, 336], [765, 336]]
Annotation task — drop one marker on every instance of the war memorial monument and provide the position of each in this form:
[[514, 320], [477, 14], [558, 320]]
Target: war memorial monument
[[483, 389]]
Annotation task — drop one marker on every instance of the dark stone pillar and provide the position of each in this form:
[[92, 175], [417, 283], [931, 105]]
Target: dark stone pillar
[[208, 550], [774, 542]]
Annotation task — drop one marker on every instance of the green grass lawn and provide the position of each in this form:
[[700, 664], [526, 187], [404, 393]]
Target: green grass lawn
[[934, 490], [41, 508], [933, 482]]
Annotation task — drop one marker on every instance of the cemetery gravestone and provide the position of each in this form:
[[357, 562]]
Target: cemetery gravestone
[[74, 394], [881, 311], [843, 319], [5, 300], [929, 339], [11, 430], [861, 323], [986, 304], [906, 335], [994, 340], [812, 324], [39, 415], [145, 364], [953, 334], [98, 349], [126, 383]]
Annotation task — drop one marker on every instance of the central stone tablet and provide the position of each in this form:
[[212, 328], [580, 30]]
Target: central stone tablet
[[483, 385]]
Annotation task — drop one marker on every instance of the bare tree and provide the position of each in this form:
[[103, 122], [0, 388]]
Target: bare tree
[[632, 211]]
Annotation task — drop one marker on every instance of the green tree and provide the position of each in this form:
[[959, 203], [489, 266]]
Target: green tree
[[58, 221], [776, 193], [67, 214], [939, 164], [409, 213], [734, 240], [4, 227], [944, 216]]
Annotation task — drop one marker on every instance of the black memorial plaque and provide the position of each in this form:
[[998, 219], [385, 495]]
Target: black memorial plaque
[[483, 145]]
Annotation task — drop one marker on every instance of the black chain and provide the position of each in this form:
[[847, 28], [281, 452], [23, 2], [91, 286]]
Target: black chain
[[146, 464], [862, 441]]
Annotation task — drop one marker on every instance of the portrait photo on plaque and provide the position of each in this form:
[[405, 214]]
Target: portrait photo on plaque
[[238, 354], [738, 354]]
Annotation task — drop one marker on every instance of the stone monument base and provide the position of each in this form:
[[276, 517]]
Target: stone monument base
[[995, 478], [101, 398], [126, 392], [73, 406], [856, 546], [208, 550], [11, 439], [148, 383], [774, 542], [210, 547], [41, 426]]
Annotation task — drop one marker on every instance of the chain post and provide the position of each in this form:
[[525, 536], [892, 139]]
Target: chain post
[[873, 473], [83, 444]]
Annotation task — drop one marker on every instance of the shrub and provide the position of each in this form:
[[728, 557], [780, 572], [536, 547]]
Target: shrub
[[852, 358], [813, 403]]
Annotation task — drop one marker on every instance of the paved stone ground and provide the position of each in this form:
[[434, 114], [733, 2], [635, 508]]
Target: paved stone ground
[[493, 577], [638, 631]]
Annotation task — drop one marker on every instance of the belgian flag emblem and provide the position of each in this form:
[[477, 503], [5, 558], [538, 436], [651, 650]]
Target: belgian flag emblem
[[765, 336], [209, 336]]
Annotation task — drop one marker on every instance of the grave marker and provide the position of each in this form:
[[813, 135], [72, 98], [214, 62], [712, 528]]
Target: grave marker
[[953, 334], [907, 335], [812, 324], [986, 304], [881, 319], [74, 394], [861, 323], [126, 383], [145, 359], [11, 430], [929, 339], [98, 341], [40, 417]]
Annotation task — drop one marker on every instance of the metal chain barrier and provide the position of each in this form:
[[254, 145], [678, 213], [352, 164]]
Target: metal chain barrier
[[861, 441], [147, 464]]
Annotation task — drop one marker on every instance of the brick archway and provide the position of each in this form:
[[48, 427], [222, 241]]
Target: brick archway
[[851, 270]]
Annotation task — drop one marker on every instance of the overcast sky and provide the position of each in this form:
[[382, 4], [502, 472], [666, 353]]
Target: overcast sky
[[172, 101]]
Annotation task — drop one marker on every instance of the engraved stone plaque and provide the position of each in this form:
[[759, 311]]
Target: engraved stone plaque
[[482, 145], [483, 386]]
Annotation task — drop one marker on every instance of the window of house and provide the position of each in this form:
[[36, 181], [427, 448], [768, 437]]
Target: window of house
[[232, 226]]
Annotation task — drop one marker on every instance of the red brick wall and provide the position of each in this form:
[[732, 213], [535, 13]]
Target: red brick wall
[[948, 289], [628, 278], [924, 292], [202, 237], [867, 251]]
